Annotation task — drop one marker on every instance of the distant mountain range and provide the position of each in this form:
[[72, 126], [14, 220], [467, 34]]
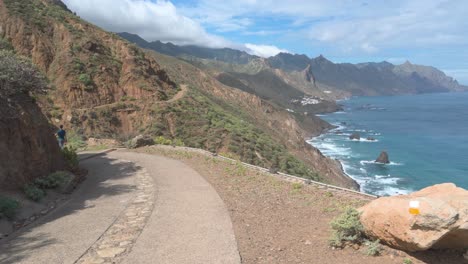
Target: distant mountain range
[[226, 54], [370, 78]]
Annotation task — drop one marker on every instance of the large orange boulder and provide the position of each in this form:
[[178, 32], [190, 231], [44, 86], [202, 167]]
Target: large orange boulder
[[442, 221]]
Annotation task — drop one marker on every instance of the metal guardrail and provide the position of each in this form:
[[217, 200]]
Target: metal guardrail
[[280, 174]]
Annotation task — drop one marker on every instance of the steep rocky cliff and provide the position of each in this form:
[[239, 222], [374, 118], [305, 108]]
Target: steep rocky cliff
[[88, 67], [29, 149]]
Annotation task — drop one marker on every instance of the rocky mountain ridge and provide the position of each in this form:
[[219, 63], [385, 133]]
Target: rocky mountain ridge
[[381, 78]]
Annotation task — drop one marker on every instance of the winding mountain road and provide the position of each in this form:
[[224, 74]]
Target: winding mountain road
[[133, 208]]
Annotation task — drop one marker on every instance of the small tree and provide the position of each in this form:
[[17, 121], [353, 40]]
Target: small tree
[[19, 75]]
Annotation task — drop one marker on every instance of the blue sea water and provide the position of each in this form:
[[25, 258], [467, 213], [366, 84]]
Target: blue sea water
[[426, 137]]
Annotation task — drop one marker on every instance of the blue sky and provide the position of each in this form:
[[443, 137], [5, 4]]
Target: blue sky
[[429, 32]]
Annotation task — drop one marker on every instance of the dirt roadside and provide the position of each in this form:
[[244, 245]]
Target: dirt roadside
[[280, 222]]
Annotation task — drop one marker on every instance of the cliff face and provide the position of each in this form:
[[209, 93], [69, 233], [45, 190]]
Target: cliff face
[[88, 67], [27, 143]]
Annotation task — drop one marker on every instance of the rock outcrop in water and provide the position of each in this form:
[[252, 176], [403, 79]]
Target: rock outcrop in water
[[383, 158], [442, 222], [355, 136]]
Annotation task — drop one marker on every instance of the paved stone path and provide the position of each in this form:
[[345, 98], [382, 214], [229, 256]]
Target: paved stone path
[[133, 208], [190, 223], [118, 240]]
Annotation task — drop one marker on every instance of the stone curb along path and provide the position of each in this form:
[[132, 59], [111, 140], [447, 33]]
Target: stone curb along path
[[117, 241]]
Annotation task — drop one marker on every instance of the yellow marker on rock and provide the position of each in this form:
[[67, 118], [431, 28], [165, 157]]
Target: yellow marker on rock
[[414, 207]]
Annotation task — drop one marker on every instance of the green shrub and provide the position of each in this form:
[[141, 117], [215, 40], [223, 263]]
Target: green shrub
[[33, 192], [373, 248], [85, 79], [407, 261], [347, 228], [75, 141], [5, 44], [8, 207], [56, 112], [19, 75], [71, 156], [162, 141], [178, 142], [51, 181]]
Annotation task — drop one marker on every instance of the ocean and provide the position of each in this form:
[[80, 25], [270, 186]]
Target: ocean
[[426, 137]]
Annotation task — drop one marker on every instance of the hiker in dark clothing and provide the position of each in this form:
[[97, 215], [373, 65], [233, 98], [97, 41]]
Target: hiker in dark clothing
[[61, 137]]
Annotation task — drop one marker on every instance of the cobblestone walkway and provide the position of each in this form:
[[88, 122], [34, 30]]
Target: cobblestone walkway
[[120, 237]]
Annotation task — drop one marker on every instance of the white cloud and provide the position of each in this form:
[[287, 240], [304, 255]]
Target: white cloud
[[263, 50], [411, 24], [159, 20], [344, 25]]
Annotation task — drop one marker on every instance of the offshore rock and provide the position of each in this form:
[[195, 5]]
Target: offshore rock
[[355, 136], [383, 158]]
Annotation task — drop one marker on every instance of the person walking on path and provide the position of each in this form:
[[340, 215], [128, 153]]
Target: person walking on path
[[61, 137]]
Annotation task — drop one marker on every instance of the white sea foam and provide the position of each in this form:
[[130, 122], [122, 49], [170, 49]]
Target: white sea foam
[[363, 140], [390, 191], [331, 149], [364, 162], [386, 180], [338, 127]]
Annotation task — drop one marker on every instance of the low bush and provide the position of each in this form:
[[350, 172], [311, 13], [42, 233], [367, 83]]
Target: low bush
[[51, 181], [85, 79], [178, 142], [75, 141], [71, 156], [407, 261], [162, 141], [373, 248], [8, 207], [347, 228], [33, 192]]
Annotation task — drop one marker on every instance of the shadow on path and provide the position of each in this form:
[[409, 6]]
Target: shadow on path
[[102, 181]]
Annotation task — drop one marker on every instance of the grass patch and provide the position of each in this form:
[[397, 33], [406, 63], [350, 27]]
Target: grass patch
[[407, 261], [8, 207], [297, 186]]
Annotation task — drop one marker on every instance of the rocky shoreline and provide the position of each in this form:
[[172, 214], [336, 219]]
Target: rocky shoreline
[[336, 163]]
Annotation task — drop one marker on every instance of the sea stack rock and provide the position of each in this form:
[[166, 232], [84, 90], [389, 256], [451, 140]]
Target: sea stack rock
[[355, 136], [371, 139], [383, 158]]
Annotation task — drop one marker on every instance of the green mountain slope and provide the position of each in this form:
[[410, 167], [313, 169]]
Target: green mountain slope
[[104, 86]]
